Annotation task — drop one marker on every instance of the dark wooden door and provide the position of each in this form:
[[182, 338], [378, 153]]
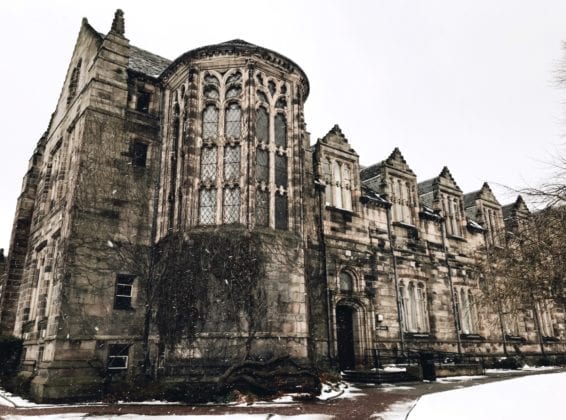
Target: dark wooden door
[[345, 333]]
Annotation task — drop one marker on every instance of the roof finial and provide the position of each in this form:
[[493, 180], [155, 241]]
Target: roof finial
[[118, 25]]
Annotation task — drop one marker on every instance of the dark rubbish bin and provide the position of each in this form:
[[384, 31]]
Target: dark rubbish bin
[[427, 365]]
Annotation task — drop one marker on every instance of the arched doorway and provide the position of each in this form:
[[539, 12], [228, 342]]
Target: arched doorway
[[345, 337]]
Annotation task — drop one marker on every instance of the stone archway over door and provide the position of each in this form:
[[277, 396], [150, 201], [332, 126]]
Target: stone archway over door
[[345, 337]]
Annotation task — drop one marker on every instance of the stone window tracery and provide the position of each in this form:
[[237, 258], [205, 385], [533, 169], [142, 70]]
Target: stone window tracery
[[281, 171], [262, 125], [231, 207], [262, 166], [208, 164], [232, 163], [280, 131], [232, 125], [210, 123]]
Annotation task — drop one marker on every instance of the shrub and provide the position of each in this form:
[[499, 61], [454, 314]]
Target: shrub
[[10, 352]]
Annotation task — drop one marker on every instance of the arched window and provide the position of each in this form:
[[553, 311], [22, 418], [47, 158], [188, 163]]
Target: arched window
[[327, 177], [281, 212], [262, 208], [211, 92], [233, 92], [414, 307], [281, 171], [74, 82], [210, 122], [337, 183], [232, 124], [262, 166], [262, 125], [280, 126], [346, 282]]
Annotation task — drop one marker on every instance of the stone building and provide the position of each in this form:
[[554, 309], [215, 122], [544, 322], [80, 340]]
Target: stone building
[[140, 147]]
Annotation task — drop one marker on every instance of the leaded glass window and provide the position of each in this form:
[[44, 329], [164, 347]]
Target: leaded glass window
[[262, 167], [210, 122], [207, 210], [271, 87], [232, 121], [262, 208], [281, 212], [281, 171], [280, 131], [208, 163], [231, 205], [233, 92], [262, 125], [232, 163]]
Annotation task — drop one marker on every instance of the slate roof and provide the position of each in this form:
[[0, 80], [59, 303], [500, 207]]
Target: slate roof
[[369, 194], [425, 187], [370, 171], [470, 198], [146, 63]]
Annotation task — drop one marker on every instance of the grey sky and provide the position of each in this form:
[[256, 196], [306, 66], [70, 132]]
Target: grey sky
[[467, 84]]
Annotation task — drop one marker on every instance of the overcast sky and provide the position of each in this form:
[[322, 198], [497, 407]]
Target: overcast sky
[[466, 84]]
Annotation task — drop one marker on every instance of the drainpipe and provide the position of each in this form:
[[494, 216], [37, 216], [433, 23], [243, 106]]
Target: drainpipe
[[454, 307], [325, 273], [396, 280]]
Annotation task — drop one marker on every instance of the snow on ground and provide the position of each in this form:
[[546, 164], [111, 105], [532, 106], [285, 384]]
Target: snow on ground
[[396, 411], [82, 416], [339, 390], [392, 387], [452, 379], [525, 398]]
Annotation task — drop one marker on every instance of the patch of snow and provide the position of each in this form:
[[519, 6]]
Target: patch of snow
[[391, 387], [528, 397], [502, 371], [394, 369], [537, 368], [396, 411], [450, 379], [339, 390]]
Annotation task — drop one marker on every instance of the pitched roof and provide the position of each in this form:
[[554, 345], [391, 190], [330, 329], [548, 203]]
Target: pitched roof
[[470, 198], [147, 63]]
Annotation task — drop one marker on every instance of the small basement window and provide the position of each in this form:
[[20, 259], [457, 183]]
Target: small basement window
[[123, 296], [118, 356], [139, 154]]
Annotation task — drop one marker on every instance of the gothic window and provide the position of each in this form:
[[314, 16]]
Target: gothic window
[[259, 78], [346, 282], [208, 163], [211, 92], [231, 207], [262, 167], [123, 291], [271, 87], [262, 208], [262, 96], [210, 122], [281, 212], [280, 131], [281, 103], [139, 154], [233, 92], [414, 307], [262, 125], [232, 163], [210, 79], [234, 77], [207, 210], [232, 123], [74, 82], [281, 171], [337, 183]]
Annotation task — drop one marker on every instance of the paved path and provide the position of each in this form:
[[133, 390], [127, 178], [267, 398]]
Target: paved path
[[368, 401]]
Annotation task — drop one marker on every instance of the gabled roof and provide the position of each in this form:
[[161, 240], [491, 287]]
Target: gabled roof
[[429, 185], [396, 157], [147, 63], [470, 198], [510, 210], [335, 138], [371, 171], [487, 194]]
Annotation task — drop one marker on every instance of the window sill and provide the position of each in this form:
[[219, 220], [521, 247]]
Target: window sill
[[515, 338], [550, 339], [471, 337], [457, 238], [417, 335]]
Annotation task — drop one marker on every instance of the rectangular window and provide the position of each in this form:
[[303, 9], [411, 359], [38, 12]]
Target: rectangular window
[[208, 163], [139, 154], [118, 356], [281, 171], [207, 213], [144, 98], [281, 212], [232, 163], [231, 205], [262, 208], [262, 165], [123, 295]]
